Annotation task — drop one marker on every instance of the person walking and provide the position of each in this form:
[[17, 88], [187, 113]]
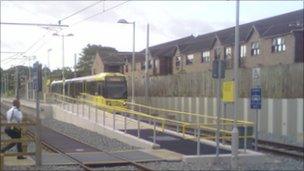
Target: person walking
[[14, 115]]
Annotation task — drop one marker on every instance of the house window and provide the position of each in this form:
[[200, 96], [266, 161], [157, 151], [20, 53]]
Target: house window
[[206, 57], [178, 61], [255, 48], [126, 68], [150, 64], [189, 59], [143, 64], [278, 45], [228, 53], [156, 63], [243, 51]]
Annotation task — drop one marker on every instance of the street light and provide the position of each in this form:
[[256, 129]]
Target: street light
[[48, 58], [62, 38], [123, 21]]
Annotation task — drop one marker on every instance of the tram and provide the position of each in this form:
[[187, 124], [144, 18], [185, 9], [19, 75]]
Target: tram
[[103, 88]]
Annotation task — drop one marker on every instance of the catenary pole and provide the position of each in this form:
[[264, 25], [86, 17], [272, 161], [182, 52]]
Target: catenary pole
[[235, 136]]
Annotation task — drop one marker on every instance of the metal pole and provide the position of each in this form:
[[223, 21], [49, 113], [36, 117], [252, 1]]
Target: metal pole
[[104, 117], [146, 66], [198, 148], [245, 138], [225, 116], [48, 58], [114, 114], [138, 126], [154, 131], [218, 94], [38, 131], [75, 56], [17, 82], [125, 122], [235, 134], [133, 66], [63, 78], [256, 130]]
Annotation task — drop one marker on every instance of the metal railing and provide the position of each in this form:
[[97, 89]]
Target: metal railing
[[157, 123]]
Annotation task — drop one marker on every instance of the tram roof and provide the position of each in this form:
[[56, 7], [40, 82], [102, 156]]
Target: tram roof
[[97, 77]]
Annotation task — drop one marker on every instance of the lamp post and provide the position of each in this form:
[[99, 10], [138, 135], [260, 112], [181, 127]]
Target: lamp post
[[62, 39], [123, 21], [235, 134], [48, 58], [30, 92]]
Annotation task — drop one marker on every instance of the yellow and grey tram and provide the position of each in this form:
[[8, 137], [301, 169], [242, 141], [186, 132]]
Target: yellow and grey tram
[[104, 88]]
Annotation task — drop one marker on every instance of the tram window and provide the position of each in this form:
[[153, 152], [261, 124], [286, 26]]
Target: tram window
[[101, 88], [91, 88]]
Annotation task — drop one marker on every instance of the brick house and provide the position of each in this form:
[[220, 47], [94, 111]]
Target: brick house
[[108, 60], [271, 41]]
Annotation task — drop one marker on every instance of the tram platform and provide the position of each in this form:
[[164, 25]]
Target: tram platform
[[125, 129]]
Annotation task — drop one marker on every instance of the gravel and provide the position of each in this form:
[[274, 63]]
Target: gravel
[[92, 138]]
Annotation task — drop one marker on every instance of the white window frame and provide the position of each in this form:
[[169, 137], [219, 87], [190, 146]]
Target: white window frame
[[178, 61], [189, 59], [206, 57], [255, 48], [243, 51], [278, 45], [228, 52]]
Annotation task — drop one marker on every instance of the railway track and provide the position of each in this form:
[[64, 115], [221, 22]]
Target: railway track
[[283, 149], [59, 136]]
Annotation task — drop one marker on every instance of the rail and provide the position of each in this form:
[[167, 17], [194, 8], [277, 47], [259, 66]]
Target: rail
[[24, 140], [159, 123]]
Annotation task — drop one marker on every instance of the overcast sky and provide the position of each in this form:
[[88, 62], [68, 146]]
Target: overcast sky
[[168, 20]]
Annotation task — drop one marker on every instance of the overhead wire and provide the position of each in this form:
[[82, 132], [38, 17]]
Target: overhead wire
[[40, 39], [104, 11], [79, 11]]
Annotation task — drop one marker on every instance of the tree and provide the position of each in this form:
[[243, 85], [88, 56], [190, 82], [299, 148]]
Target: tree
[[86, 59]]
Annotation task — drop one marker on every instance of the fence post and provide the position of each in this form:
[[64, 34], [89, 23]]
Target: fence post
[[125, 122], [138, 126], [83, 108], [114, 114], [245, 138], [104, 117], [77, 106], [154, 131], [89, 111], [2, 161]]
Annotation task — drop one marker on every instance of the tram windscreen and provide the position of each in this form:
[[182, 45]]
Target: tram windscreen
[[116, 88]]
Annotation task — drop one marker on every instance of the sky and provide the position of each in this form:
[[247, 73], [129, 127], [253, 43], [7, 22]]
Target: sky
[[168, 20]]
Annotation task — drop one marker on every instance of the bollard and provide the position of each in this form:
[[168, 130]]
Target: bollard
[[154, 131]]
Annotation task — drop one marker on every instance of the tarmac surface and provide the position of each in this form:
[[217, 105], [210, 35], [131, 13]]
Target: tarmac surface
[[175, 143]]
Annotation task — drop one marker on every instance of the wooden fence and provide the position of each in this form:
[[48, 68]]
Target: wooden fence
[[281, 81]]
